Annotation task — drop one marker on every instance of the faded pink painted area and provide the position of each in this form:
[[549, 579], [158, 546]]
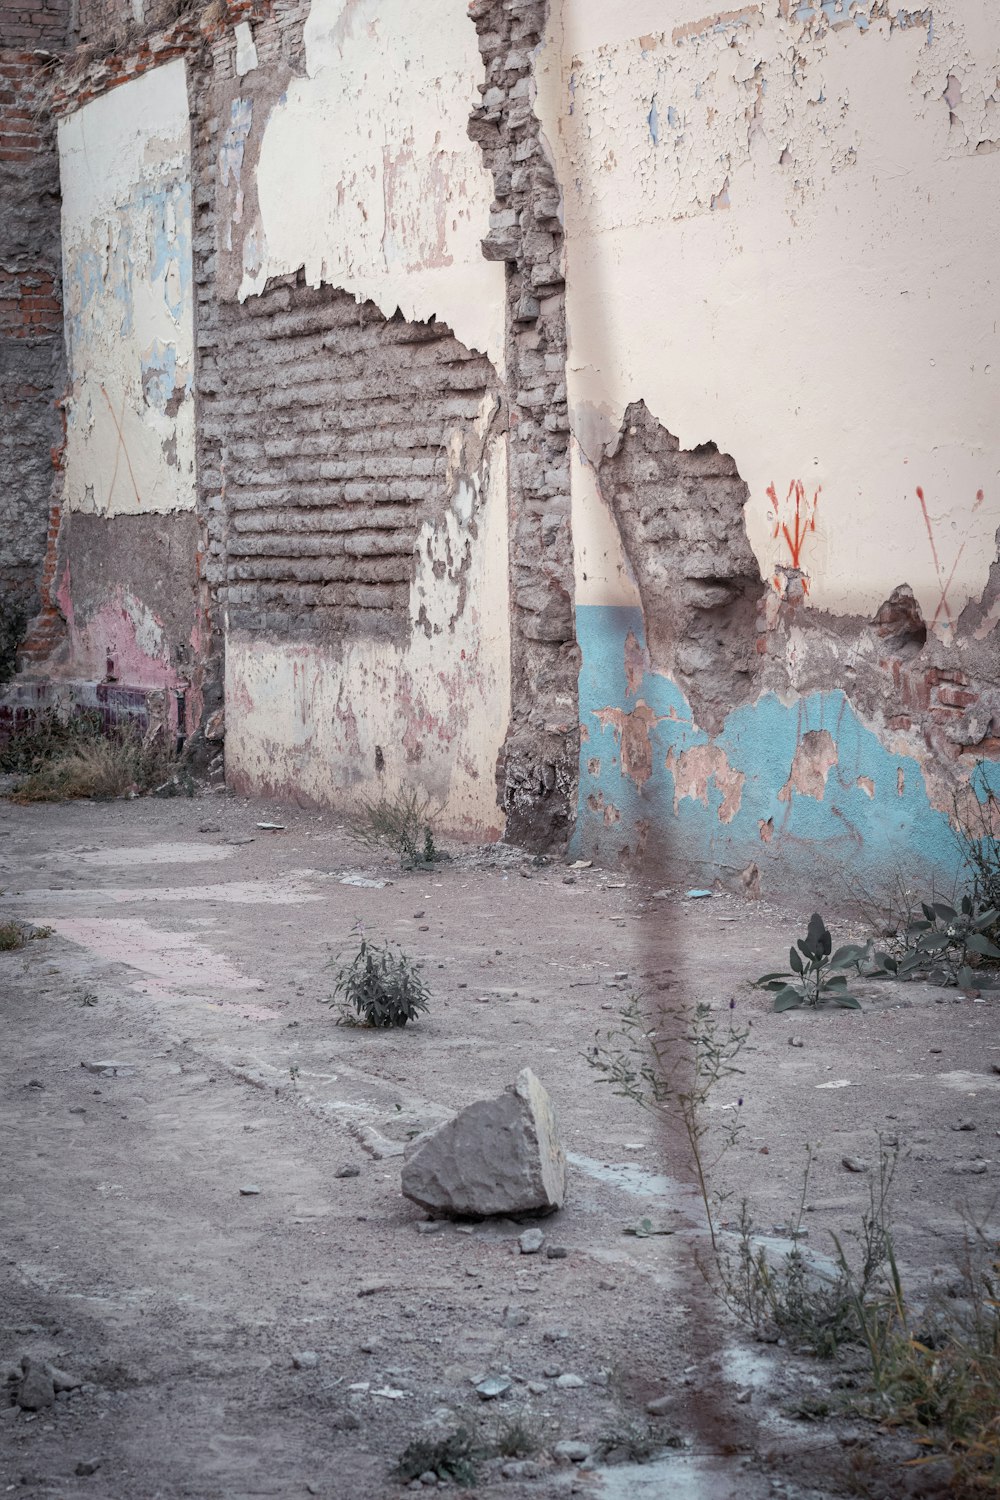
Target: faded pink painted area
[[171, 961], [106, 647]]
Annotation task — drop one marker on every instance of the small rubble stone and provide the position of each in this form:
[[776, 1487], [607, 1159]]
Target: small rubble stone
[[249, 1190], [556, 1252], [308, 1359], [569, 1382], [36, 1389], [571, 1451], [660, 1406], [492, 1387], [86, 1467], [514, 1317], [531, 1241], [795, 1041], [63, 1381], [970, 1168], [498, 1156], [349, 1169], [855, 1164], [522, 1468]]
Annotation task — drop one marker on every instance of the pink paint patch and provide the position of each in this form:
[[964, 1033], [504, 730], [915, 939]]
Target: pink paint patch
[[171, 961]]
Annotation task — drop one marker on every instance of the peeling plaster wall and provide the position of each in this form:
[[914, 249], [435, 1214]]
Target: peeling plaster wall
[[367, 177], [354, 428], [775, 218], [125, 558], [126, 174]]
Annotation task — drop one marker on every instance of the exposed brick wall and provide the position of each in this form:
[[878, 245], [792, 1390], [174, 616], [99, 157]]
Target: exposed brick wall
[[334, 427], [26, 24], [31, 349], [537, 772]]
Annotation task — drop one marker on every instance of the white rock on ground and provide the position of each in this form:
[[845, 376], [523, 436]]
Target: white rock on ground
[[498, 1156]]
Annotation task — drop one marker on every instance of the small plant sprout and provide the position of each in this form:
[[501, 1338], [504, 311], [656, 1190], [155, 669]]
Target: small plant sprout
[[379, 986], [816, 976], [403, 823], [669, 1065]]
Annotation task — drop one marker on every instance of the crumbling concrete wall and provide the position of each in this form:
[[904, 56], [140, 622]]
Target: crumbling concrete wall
[[781, 367], [31, 360]]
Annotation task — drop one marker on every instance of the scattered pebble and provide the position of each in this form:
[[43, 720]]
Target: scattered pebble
[[492, 1387], [308, 1359], [556, 1252], [795, 1041], [571, 1450], [349, 1169], [855, 1164], [660, 1407], [569, 1382], [430, 1226], [249, 1190], [87, 1466], [970, 1168], [514, 1317], [531, 1241]]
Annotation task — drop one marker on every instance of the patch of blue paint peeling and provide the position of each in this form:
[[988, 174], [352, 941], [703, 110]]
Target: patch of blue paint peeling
[[874, 812], [653, 121], [673, 118]]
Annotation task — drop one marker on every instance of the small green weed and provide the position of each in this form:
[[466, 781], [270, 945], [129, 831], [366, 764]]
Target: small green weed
[[816, 977], [63, 758], [12, 937], [403, 823], [669, 1065], [380, 985], [788, 1297]]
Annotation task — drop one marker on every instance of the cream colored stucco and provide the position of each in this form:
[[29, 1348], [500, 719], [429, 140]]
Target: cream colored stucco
[[305, 719], [778, 219], [367, 176], [125, 170]]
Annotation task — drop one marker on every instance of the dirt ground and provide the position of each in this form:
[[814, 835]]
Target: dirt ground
[[191, 947]]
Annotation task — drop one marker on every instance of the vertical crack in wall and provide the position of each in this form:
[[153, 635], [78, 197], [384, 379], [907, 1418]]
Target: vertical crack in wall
[[538, 764]]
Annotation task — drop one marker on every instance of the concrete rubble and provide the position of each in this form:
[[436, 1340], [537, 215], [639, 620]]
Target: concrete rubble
[[498, 1156]]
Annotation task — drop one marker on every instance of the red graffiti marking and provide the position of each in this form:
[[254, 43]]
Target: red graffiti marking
[[944, 584], [801, 520]]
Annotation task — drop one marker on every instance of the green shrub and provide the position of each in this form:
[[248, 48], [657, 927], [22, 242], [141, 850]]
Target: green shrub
[[381, 985]]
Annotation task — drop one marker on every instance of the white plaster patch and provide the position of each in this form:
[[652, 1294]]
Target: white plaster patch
[[367, 176], [125, 173], [765, 209], [246, 52]]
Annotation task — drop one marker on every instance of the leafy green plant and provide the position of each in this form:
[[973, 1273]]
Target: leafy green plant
[[381, 985], [944, 944], [452, 1457], [817, 976], [403, 823], [669, 1065]]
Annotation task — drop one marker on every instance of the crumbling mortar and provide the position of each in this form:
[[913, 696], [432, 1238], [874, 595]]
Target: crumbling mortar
[[537, 766]]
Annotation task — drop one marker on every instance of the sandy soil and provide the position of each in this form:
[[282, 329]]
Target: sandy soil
[[197, 960]]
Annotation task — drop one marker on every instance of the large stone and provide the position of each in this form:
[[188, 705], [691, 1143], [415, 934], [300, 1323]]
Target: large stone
[[499, 1156], [36, 1389]]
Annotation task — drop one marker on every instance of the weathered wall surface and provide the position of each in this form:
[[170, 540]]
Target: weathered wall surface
[[783, 554], [125, 163], [31, 360], [125, 558], [354, 432]]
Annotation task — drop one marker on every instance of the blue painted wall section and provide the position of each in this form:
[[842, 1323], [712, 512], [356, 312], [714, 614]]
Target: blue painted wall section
[[873, 816]]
